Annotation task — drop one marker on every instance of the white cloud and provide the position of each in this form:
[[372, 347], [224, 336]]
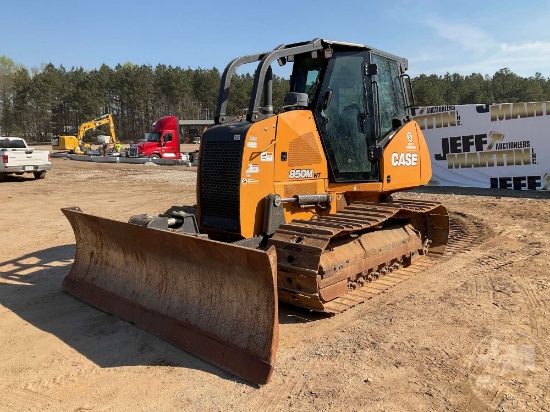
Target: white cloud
[[462, 48], [467, 37], [534, 47]]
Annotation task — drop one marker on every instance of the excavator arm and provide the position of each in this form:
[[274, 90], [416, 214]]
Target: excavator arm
[[93, 124]]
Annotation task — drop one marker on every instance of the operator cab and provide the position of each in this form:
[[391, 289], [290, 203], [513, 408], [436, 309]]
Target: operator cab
[[357, 96]]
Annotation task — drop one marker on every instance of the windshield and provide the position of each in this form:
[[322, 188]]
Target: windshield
[[341, 114], [154, 137]]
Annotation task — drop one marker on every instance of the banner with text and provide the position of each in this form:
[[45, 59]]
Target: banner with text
[[503, 145]]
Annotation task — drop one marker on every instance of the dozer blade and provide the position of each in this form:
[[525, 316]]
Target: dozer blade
[[215, 300]]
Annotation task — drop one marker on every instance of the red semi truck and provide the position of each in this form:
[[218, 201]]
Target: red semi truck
[[163, 142]]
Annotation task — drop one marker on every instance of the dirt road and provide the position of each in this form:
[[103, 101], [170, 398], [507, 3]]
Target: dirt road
[[469, 334]]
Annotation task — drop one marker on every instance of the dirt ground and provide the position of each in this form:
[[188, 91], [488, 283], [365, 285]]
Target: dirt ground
[[468, 334]]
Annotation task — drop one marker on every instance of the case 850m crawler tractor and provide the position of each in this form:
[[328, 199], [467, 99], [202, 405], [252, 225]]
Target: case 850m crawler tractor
[[294, 206]]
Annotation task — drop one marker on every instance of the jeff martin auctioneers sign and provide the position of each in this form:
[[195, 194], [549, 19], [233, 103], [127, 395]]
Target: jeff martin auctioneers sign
[[504, 146]]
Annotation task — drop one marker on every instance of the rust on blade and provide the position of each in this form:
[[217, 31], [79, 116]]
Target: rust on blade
[[215, 300]]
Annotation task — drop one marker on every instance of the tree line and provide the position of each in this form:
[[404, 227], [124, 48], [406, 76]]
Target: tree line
[[44, 102], [503, 87], [41, 103]]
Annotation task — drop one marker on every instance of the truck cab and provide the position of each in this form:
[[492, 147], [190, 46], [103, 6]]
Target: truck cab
[[163, 142]]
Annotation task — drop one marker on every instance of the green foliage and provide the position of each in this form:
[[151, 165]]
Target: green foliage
[[503, 87], [42, 102]]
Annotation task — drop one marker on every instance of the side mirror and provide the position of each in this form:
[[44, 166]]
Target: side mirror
[[408, 90]]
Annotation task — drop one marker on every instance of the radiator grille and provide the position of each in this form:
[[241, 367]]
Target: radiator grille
[[133, 152], [220, 183]]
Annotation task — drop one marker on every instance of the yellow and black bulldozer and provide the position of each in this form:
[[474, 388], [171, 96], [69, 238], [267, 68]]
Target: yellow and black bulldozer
[[294, 205]]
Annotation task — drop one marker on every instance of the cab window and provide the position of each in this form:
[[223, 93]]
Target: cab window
[[390, 95], [153, 137], [346, 131]]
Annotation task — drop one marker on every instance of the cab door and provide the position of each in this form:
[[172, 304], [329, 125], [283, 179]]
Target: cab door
[[344, 117], [168, 143]]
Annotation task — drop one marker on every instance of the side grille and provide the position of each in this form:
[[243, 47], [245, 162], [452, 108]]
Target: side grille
[[300, 189], [220, 178], [303, 151]]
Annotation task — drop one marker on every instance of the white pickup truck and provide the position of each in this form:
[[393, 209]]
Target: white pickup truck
[[18, 158]]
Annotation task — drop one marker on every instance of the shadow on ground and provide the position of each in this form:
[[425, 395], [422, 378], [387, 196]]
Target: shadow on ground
[[30, 287]]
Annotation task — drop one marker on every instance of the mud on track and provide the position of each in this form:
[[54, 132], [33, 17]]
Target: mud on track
[[469, 333]]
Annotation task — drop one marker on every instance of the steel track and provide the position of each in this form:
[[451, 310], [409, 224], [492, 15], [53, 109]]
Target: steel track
[[460, 241], [300, 245]]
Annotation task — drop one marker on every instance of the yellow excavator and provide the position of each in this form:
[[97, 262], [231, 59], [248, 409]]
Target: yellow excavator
[[75, 144], [293, 206]]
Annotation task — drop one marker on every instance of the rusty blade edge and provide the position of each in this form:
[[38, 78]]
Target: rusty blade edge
[[226, 357]]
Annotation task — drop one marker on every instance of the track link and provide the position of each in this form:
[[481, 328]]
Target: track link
[[308, 276]]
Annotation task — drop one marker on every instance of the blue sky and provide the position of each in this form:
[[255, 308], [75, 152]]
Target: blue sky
[[436, 36]]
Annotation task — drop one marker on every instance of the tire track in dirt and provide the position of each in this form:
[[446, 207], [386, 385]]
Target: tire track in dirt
[[289, 380], [464, 233], [484, 287], [273, 402], [492, 279], [16, 350], [17, 399], [490, 263], [536, 303], [464, 236], [509, 371], [61, 379]]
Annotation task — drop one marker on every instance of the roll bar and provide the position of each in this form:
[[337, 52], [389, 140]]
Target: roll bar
[[263, 82]]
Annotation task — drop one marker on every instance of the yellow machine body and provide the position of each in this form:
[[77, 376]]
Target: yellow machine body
[[75, 144]]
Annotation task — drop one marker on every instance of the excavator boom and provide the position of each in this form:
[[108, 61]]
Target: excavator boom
[[93, 124]]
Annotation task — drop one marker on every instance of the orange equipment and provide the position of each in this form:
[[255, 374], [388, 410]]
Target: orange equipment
[[293, 206]]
